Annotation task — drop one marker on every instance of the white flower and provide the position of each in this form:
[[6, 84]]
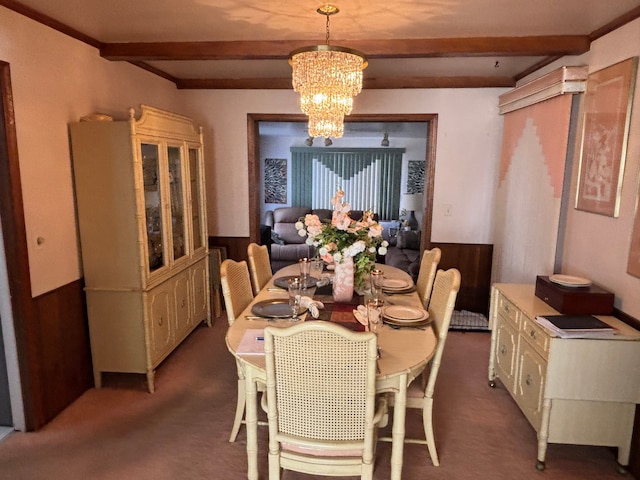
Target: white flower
[[299, 225], [382, 250], [384, 244], [372, 249], [337, 257], [323, 251], [302, 233], [309, 241], [355, 248]]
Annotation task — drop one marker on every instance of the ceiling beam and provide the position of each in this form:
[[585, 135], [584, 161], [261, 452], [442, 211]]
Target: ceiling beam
[[368, 83], [407, 48]]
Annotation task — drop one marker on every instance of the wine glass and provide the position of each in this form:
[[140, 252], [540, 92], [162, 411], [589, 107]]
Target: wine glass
[[305, 271], [317, 265], [374, 317], [295, 291], [377, 276]]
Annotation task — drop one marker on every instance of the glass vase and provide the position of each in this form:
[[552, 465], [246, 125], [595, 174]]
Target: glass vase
[[343, 281]]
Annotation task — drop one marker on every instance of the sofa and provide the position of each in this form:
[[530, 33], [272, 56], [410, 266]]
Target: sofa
[[287, 247], [404, 249], [404, 252]]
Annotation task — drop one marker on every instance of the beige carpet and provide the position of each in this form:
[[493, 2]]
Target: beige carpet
[[181, 431]]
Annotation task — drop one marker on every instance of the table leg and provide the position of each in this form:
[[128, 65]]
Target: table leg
[[397, 431], [251, 424]]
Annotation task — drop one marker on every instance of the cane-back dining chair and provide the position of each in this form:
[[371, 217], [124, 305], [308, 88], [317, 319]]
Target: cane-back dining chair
[[259, 266], [420, 392], [427, 273], [321, 403], [237, 294]]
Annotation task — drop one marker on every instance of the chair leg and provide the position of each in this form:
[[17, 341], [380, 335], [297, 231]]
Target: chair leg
[[427, 421], [237, 421]]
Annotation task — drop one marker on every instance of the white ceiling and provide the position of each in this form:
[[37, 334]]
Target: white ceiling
[[358, 24]]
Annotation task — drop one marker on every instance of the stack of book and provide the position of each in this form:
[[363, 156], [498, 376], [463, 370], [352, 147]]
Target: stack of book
[[576, 326]]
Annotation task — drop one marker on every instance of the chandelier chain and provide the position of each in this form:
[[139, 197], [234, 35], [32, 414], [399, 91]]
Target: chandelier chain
[[327, 28]]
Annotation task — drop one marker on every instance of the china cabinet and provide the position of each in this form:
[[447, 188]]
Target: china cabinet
[[140, 200], [572, 390]]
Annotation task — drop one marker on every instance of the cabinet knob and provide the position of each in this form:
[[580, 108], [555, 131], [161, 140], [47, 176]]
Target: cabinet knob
[[532, 334], [503, 349], [528, 380], [160, 321], [182, 303]]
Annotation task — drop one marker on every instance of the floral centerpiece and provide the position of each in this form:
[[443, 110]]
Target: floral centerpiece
[[343, 240]]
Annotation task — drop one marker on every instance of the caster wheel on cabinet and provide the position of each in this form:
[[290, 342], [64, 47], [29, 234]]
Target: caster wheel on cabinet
[[492, 383], [539, 466]]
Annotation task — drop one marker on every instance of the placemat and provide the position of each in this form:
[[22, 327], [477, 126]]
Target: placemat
[[342, 314]]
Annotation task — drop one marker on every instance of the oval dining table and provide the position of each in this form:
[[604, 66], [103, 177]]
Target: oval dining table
[[404, 353]]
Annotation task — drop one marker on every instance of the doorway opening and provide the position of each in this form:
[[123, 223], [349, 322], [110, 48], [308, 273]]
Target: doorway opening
[[297, 124]]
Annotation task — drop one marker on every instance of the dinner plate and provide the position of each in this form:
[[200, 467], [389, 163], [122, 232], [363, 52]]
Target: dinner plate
[[395, 284], [413, 323], [570, 280], [404, 313], [283, 282], [409, 289], [274, 308]]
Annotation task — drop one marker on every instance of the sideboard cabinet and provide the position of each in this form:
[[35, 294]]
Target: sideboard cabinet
[[140, 199], [572, 390]]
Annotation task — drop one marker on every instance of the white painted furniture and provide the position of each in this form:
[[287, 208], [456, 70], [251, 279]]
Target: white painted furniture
[[139, 188], [405, 353], [576, 391]]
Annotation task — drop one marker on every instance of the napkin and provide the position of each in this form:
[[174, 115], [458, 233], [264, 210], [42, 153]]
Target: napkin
[[312, 305], [361, 315]]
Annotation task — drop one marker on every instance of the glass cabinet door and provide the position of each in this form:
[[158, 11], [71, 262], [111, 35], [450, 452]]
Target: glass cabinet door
[[196, 198], [176, 192], [153, 205]]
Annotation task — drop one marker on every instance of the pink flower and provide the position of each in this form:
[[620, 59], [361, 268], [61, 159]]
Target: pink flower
[[375, 230], [340, 220], [312, 220]]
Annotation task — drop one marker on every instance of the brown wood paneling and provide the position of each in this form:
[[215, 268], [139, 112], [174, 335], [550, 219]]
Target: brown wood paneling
[[64, 353], [634, 458], [236, 246], [474, 263]]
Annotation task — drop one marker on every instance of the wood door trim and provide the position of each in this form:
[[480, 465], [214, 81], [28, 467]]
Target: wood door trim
[[15, 241]]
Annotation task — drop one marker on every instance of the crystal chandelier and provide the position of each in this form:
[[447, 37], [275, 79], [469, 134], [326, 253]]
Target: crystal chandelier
[[327, 78]]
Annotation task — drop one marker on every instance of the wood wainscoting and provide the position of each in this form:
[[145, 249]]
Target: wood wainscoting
[[472, 259], [54, 352], [236, 246], [474, 262]]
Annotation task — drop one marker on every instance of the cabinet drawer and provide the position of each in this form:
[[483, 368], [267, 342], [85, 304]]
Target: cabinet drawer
[[508, 311], [535, 335]]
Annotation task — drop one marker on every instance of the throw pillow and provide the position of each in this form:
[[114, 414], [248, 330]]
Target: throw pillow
[[410, 240], [275, 238]]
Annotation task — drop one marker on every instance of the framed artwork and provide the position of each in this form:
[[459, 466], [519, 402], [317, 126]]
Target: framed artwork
[[415, 176], [633, 267], [607, 114], [275, 180]]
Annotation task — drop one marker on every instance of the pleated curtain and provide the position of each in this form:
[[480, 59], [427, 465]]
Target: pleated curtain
[[370, 178]]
